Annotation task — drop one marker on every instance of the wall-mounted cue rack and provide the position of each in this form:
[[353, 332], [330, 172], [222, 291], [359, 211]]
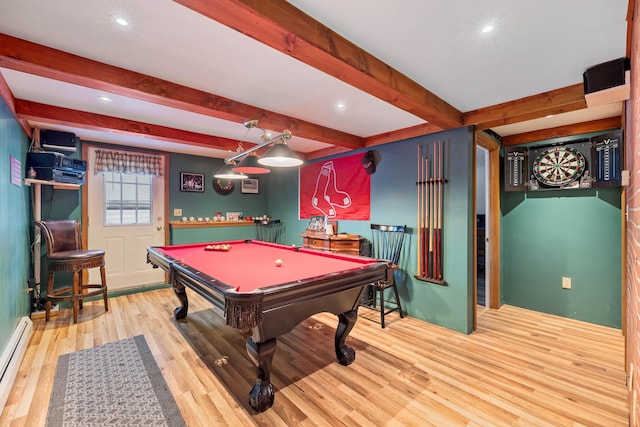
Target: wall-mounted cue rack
[[431, 181], [585, 163]]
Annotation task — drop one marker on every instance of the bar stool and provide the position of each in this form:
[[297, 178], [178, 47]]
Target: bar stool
[[65, 253]]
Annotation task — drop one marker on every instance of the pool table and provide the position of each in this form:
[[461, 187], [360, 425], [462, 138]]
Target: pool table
[[265, 300]]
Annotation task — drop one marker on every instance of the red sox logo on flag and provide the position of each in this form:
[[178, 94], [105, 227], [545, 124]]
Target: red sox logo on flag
[[338, 189]]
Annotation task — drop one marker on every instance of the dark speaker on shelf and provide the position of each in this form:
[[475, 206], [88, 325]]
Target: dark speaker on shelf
[[606, 75], [58, 140]]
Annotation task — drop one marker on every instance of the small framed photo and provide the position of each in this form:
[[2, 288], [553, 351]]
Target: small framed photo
[[192, 182], [251, 186], [317, 223]]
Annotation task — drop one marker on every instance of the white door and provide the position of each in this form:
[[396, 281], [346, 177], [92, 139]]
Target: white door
[[125, 232]]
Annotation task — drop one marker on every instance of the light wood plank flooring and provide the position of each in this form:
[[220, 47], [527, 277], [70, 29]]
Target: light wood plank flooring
[[520, 368]]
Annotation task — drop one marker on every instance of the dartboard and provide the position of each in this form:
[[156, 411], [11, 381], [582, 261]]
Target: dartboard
[[557, 166]]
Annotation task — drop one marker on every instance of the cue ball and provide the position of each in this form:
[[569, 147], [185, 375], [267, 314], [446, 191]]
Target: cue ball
[[278, 263]]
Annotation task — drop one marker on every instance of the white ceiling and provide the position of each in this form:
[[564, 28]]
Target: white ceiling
[[536, 46]]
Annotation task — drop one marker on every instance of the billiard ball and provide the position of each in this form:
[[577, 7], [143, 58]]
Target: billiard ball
[[278, 262]]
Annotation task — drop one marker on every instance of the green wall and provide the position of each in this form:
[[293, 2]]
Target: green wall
[[15, 229], [548, 235], [545, 235], [208, 203], [394, 201]]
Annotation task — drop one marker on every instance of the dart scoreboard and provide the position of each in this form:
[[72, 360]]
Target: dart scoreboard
[[585, 163]]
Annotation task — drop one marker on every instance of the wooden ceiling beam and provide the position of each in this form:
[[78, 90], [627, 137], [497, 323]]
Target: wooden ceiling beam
[[610, 123], [32, 58], [383, 138], [28, 110], [401, 134], [557, 101], [325, 152], [280, 25]]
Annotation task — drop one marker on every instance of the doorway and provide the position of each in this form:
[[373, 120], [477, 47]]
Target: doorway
[[491, 218], [483, 213], [125, 214]]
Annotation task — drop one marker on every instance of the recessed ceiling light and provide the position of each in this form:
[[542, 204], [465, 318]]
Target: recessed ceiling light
[[104, 98], [121, 21], [548, 116], [487, 28], [340, 106]]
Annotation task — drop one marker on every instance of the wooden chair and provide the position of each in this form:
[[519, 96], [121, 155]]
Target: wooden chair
[[386, 243], [65, 253]]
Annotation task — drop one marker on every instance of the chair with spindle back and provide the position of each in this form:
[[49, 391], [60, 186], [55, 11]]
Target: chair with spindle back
[[386, 243]]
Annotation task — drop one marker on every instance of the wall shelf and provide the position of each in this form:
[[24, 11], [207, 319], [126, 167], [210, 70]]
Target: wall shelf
[[210, 224], [55, 184]]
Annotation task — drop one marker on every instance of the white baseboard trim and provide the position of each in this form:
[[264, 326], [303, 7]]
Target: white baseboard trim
[[12, 357]]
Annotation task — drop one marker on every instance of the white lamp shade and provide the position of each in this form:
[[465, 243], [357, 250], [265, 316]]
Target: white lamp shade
[[280, 155], [227, 172]]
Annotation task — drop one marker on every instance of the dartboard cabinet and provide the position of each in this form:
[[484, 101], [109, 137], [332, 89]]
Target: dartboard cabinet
[[579, 164]]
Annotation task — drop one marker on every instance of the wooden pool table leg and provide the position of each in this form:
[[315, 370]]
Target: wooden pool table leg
[[345, 354], [180, 312], [261, 395]]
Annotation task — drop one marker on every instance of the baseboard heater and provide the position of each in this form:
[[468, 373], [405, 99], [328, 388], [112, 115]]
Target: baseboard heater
[[12, 356]]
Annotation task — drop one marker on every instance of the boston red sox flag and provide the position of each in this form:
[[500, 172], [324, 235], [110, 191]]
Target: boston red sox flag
[[337, 188]]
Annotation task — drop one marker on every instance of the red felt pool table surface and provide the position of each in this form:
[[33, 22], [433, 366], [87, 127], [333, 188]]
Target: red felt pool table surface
[[250, 265]]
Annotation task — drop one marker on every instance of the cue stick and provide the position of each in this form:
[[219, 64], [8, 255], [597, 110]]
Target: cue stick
[[420, 212], [436, 175], [442, 181], [439, 219], [425, 195], [431, 214], [420, 184], [425, 213], [425, 242]]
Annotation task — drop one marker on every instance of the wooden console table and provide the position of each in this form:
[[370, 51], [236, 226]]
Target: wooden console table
[[339, 243]]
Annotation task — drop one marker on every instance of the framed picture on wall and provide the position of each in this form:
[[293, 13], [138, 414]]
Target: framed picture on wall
[[192, 182], [250, 186]]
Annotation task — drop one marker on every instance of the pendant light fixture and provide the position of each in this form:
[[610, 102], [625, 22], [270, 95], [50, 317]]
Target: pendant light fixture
[[280, 155], [227, 172], [249, 164]]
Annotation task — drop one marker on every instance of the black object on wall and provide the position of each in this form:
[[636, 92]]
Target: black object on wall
[[584, 163], [57, 140], [606, 75]]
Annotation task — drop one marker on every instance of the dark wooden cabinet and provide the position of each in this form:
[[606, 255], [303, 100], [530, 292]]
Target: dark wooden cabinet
[[339, 243]]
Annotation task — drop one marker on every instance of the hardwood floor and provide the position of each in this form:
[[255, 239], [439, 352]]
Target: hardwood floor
[[519, 368]]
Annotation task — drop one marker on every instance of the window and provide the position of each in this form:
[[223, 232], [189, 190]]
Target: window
[[127, 198]]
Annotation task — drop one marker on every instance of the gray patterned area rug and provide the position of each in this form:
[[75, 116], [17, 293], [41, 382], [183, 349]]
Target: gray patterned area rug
[[115, 384]]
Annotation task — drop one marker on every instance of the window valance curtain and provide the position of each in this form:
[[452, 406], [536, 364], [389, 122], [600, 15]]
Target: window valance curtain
[[122, 162]]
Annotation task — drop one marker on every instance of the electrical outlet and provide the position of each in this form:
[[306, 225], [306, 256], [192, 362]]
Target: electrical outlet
[[177, 212], [566, 283]]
